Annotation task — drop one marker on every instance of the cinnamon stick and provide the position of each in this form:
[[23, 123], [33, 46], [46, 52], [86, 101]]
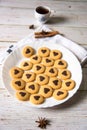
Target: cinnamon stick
[[45, 34]]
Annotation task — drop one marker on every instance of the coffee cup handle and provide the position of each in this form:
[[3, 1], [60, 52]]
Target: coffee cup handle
[[52, 12]]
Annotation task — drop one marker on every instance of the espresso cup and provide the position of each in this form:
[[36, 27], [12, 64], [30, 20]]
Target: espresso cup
[[42, 14]]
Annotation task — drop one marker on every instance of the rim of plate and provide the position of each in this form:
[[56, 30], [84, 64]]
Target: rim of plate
[[55, 102]]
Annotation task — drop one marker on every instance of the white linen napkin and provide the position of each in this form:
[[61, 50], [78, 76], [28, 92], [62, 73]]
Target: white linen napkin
[[79, 52]]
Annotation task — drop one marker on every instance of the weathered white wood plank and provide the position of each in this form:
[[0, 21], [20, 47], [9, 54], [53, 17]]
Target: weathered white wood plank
[[10, 33], [56, 5], [13, 33], [14, 115], [76, 34], [18, 16], [6, 44]]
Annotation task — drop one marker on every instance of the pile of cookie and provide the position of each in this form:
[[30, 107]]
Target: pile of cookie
[[44, 74]]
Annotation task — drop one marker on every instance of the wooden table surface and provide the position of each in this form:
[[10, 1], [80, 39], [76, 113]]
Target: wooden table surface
[[70, 19]]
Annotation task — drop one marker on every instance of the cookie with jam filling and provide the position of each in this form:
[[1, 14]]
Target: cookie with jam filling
[[26, 65], [39, 68], [43, 51], [22, 95], [68, 84], [18, 84], [37, 99], [16, 72], [42, 79], [64, 74], [60, 94], [32, 87], [35, 59], [55, 54], [47, 61], [27, 51], [51, 71], [46, 91], [28, 76], [60, 64], [55, 83]]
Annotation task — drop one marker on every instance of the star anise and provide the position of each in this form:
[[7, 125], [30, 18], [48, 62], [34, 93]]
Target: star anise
[[43, 122], [32, 26]]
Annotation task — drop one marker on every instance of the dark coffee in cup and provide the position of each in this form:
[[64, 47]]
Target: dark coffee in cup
[[42, 10]]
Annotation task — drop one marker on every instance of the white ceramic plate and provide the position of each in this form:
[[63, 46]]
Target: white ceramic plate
[[73, 65]]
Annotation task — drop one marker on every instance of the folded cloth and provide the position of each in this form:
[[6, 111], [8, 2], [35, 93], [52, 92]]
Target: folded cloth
[[77, 50]]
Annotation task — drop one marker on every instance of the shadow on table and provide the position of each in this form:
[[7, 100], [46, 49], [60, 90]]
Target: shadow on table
[[55, 19]]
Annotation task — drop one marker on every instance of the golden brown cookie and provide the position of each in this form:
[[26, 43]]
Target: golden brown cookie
[[32, 87], [46, 91], [38, 68], [60, 94], [47, 61], [55, 54], [16, 72], [22, 95], [60, 64], [36, 99], [35, 59], [55, 83], [27, 51], [42, 79], [26, 65], [18, 84], [51, 71], [43, 51], [68, 84], [64, 74], [28, 76]]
